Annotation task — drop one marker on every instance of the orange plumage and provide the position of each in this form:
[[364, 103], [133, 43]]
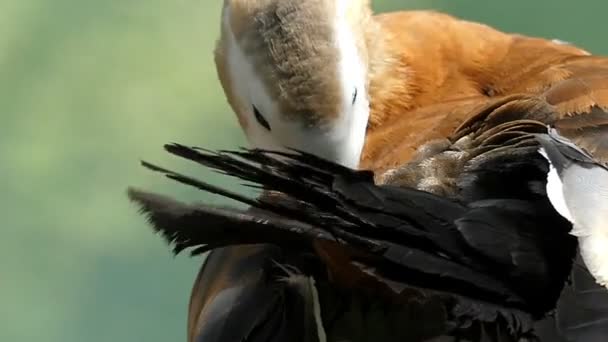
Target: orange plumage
[[437, 71]]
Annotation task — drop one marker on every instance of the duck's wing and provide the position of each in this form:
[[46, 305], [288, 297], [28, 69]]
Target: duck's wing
[[496, 151], [493, 253]]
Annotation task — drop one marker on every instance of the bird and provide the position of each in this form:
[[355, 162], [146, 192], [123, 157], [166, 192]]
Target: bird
[[418, 97], [354, 260]]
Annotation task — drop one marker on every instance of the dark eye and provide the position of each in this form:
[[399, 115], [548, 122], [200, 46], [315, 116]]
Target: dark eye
[[355, 96], [261, 120]]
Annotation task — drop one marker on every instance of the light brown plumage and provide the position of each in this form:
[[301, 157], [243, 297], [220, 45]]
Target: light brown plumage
[[449, 70]]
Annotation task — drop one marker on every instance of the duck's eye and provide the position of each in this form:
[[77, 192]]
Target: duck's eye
[[355, 96], [261, 120]]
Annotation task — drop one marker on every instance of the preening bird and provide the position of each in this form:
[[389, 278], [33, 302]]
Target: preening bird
[[427, 102], [301, 74]]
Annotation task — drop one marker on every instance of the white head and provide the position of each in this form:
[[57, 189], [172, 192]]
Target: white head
[[295, 73]]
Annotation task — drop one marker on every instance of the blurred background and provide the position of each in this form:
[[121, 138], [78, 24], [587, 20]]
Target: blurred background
[[87, 88]]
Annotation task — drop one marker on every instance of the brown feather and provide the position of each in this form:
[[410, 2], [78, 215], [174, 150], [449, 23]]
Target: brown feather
[[448, 78], [227, 266]]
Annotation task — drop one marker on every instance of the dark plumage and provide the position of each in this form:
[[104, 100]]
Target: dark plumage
[[487, 266]]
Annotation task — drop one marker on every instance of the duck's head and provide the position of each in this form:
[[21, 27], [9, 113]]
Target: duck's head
[[295, 72]]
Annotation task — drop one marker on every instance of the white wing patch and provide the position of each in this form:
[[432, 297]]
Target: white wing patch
[[594, 250], [586, 194], [581, 196], [555, 189]]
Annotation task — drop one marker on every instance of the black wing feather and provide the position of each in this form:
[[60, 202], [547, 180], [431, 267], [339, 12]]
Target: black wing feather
[[420, 234]]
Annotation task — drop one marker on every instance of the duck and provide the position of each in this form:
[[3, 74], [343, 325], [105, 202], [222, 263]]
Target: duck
[[413, 96], [422, 75]]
